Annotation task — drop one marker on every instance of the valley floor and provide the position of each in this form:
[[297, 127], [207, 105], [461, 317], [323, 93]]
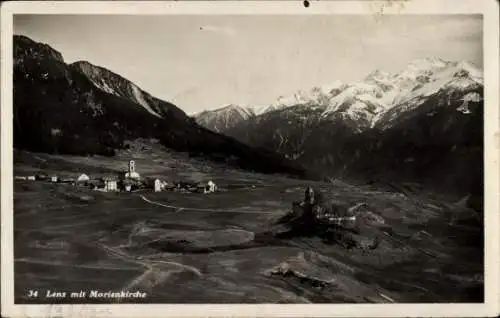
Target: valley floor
[[217, 248]]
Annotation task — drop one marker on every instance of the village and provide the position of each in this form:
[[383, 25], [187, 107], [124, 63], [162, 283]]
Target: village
[[131, 181], [127, 181]]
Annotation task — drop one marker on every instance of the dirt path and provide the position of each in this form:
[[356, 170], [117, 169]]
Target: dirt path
[[179, 208]]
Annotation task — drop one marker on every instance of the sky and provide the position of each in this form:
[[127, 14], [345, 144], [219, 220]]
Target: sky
[[201, 62]]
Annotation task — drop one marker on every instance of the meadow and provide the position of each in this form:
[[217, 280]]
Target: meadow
[[221, 247]]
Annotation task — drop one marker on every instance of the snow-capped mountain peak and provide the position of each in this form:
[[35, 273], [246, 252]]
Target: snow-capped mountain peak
[[381, 91], [468, 69], [316, 96], [328, 88], [378, 76], [373, 98], [243, 111], [259, 110], [449, 82]]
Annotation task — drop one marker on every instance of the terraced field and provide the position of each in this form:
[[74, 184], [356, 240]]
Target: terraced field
[[222, 248]]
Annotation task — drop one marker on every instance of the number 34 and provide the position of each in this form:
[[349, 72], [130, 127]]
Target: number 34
[[32, 293]]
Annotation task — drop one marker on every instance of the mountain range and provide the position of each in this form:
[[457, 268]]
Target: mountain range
[[84, 109], [423, 124]]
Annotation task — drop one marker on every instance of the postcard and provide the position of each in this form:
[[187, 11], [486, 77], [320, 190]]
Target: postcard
[[253, 158]]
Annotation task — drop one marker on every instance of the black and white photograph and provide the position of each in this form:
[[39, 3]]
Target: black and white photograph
[[230, 158]]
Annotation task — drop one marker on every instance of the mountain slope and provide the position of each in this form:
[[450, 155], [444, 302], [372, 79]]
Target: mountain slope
[[84, 109], [117, 85], [224, 118], [423, 124]]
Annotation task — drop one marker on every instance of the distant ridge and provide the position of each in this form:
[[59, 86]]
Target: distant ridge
[[224, 117]]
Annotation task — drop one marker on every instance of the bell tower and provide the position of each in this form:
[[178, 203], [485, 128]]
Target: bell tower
[[131, 166]]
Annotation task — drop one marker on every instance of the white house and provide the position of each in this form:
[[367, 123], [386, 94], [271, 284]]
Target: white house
[[82, 178], [210, 188], [110, 183], [155, 183]]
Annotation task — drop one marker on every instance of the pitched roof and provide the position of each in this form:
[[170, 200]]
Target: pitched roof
[[109, 178]]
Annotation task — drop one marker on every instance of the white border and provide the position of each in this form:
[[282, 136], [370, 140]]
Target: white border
[[489, 9]]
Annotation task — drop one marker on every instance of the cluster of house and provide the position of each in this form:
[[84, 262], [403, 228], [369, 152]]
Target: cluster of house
[[128, 181]]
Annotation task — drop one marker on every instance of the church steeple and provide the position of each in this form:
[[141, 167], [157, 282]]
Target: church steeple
[[131, 173]]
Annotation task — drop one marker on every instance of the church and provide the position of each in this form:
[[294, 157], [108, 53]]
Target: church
[[131, 173], [130, 179]]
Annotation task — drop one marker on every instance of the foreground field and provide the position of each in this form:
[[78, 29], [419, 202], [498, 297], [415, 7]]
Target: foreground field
[[220, 248]]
